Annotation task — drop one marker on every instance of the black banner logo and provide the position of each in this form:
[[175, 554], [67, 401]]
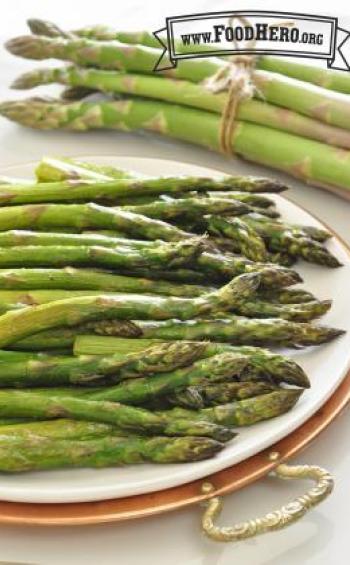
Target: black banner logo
[[253, 32]]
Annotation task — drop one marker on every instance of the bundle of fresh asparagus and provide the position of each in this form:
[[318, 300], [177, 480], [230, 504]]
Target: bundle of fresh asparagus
[[295, 122], [131, 311]]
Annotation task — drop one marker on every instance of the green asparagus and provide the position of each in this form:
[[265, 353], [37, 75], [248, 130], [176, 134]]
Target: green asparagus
[[82, 216], [25, 404], [70, 279], [244, 412], [90, 370], [236, 330], [18, 324]]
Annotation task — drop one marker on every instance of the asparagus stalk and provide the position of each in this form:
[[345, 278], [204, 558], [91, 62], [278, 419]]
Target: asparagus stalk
[[18, 324], [11, 300], [218, 393], [327, 78], [298, 243], [54, 169], [287, 295], [70, 279], [309, 160], [25, 404], [57, 429], [173, 255], [87, 370], [245, 412], [13, 238], [245, 237], [33, 455], [273, 88], [189, 207], [223, 267], [114, 55], [236, 330], [82, 216], [262, 363], [218, 368], [111, 190]]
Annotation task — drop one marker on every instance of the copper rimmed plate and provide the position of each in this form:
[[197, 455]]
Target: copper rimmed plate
[[326, 367]]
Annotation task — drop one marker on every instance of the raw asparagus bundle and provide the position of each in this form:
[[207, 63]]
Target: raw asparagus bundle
[[327, 78], [274, 88], [326, 165], [194, 95], [286, 115]]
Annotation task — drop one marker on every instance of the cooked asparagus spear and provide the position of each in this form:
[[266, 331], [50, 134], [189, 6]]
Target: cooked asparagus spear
[[286, 295], [252, 308], [14, 238], [53, 169], [57, 429], [189, 207], [57, 169], [256, 308], [220, 266], [218, 393], [18, 324], [86, 279], [25, 404], [218, 368], [90, 370], [172, 255], [248, 241], [111, 190], [33, 455], [82, 216], [262, 364], [278, 239], [237, 330], [244, 412]]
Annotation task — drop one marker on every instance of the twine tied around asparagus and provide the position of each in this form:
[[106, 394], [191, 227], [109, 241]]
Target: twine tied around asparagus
[[236, 79]]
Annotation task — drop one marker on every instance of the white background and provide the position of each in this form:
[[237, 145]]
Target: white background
[[323, 536]]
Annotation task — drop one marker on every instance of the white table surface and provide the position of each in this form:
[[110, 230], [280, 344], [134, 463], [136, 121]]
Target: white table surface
[[323, 536]]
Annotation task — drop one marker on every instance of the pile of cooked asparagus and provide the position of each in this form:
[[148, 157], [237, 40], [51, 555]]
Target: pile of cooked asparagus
[[297, 121], [133, 310]]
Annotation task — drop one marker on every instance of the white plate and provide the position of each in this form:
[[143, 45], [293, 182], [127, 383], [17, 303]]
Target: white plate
[[326, 366]]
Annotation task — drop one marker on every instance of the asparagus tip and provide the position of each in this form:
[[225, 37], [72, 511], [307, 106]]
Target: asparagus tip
[[27, 80], [27, 46]]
